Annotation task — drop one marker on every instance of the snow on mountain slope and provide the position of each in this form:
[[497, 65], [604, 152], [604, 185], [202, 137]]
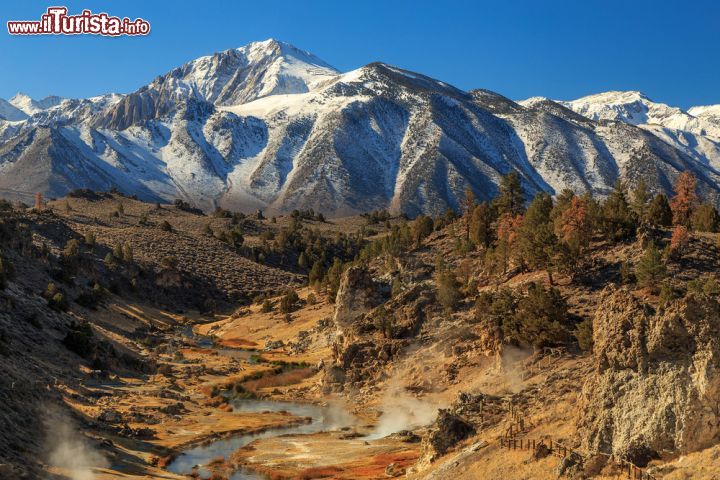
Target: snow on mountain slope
[[637, 109], [709, 113], [30, 106], [270, 126], [226, 78], [10, 112], [696, 132]]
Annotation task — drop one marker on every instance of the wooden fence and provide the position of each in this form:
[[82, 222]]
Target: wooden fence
[[518, 425]]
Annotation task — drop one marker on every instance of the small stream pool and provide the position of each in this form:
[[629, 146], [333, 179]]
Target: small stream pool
[[323, 418]]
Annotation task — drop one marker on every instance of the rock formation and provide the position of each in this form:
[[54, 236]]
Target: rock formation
[[656, 386]]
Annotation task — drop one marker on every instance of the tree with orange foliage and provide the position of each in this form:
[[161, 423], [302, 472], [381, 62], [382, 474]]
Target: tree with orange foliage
[[685, 198], [576, 226], [679, 240], [507, 233]]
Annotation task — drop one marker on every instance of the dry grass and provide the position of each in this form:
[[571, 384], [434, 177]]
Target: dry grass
[[289, 377]]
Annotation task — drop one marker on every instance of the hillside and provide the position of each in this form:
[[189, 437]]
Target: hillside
[[565, 337]]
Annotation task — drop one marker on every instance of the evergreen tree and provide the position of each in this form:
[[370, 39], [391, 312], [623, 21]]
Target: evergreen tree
[[705, 218], [640, 201], [536, 241], [317, 273], [511, 199], [650, 270], [562, 203], [468, 206], [617, 220], [421, 228], [303, 261], [507, 232], [481, 225], [448, 289], [333, 277], [540, 319], [659, 213]]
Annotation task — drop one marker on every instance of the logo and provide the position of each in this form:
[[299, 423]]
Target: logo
[[56, 21]]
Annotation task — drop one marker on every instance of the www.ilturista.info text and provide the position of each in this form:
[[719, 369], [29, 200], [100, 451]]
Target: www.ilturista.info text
[[56, 21]]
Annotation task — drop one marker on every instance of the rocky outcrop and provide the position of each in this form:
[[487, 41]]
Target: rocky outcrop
[[656, 386], [356, 296], [448, 430]]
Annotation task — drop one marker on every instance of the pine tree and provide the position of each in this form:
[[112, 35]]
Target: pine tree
[[705, 218], [507, 232], [481, 225], [640, 201], [303, 261], [317, 273], [685, 198], [333, 277], [468, 206], [679, 240], [448, 289], [650, 270], [421, 228], [659, 213], [511, 199], [536, 240], [617, 220]]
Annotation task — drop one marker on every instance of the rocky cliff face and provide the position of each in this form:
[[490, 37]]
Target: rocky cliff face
[[656, 387]]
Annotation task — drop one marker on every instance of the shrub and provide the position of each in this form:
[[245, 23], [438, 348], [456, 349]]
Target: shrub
[[707, 286], [80, 339], [626, 273], [396, 287], [266, 306], [448, 287], [311, 299], [169, 262], [90, 298], [111, 261], [165, 226], [186, 207], [71, 250], [584, 334], [56, 299], [289, 301], [89, 239]]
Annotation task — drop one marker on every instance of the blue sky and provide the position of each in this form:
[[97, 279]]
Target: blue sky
[[669, 50]]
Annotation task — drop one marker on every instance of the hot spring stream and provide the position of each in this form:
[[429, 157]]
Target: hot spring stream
[[323, 418]]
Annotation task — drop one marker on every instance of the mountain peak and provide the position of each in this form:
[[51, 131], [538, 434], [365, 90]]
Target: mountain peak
[[30, 106]]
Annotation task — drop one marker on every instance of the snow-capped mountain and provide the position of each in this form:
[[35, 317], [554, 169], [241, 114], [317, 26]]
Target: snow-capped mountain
[[695, 132], [10, 112], [30, 106], [226, 78], [270, 126]]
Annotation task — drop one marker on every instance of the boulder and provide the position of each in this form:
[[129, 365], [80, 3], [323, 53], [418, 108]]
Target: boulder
[[446, 432]]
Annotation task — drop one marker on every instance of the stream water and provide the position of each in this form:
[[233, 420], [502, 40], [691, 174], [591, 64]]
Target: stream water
[[323, 418]]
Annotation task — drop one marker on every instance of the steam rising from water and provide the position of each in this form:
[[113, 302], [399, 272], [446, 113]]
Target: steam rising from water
[[68, 450], [401, 410]]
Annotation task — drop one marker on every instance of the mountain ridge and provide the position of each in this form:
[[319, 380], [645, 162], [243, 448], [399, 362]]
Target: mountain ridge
[[271, 126]]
